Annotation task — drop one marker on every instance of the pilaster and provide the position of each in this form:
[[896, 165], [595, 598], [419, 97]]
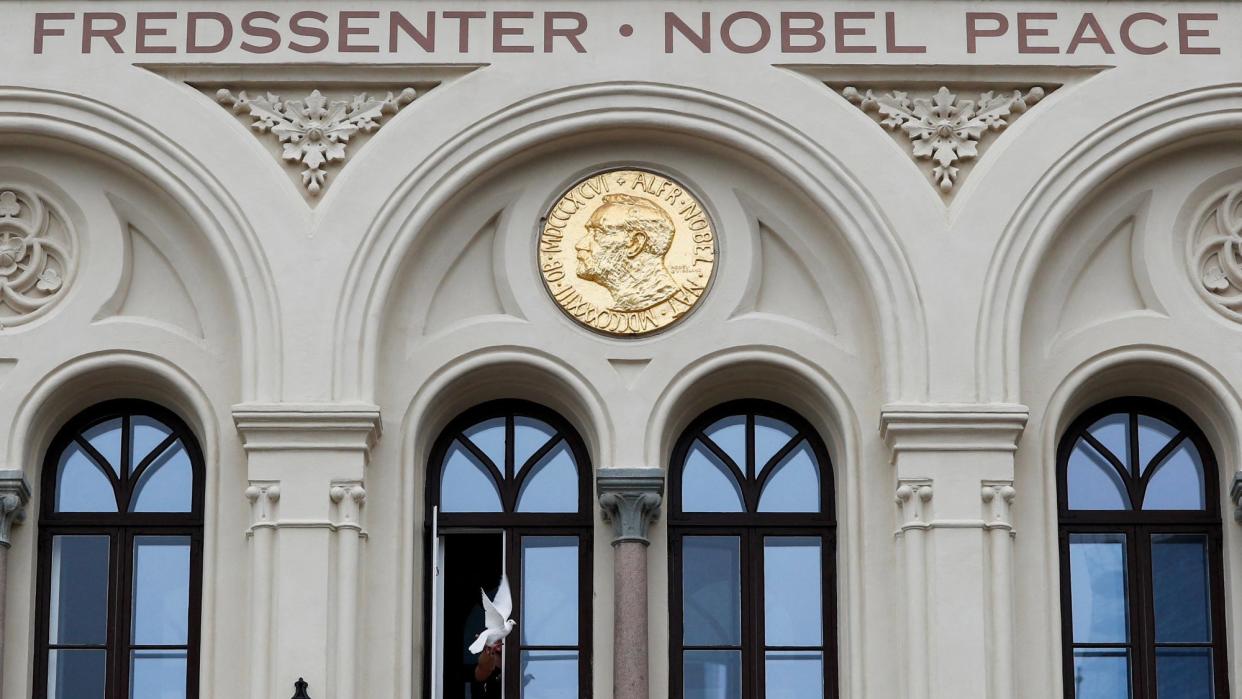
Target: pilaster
[[630, 499], [954, 468], [306, 465], [14, 494]]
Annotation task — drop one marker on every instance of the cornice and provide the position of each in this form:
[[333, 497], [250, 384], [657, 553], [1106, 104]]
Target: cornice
[[308, 426], [952, 426]]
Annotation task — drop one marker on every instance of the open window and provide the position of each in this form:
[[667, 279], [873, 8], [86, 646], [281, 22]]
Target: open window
[[509, 491], [1141, 572]]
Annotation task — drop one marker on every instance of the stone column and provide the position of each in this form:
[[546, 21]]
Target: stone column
[[14, 494], [954, 468], [630, 498]]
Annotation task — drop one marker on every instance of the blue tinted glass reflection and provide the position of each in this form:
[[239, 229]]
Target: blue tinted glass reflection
[[549, 590], [1093, 482], [105, 438], [528, 435], [467, 485], [81, 485], [1184, 673], [76, 674], [770, 436], [1101, 673], [730, 435], [712, 590], [1153, 435], [161, 590], [1113, 432], [1179, 571], [1177, 483], [167, 484], [552, 484], [712, 674], [147, 433], [549, 674], [792, 599], [158, 674], [79, 599], [707, 484], [794, 674], [1098, 588], [793, 485], [489, 437]]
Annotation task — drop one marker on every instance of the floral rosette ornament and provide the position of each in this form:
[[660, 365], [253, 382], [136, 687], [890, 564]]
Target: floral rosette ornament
[[35, 263], [1216, 254], [315, 130]]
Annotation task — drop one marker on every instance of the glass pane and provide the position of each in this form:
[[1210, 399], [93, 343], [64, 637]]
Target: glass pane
[[79, 597], [528, 435], [1184, 673], [794, 483], [770, 436], [467, 485], [76, 674], [1177, 483], [711, 590], [157, 674], [712, 674], [1114, 433], [105, 438], [81, 485], [1153, 435], [1179, 571], [1098, 588], [161, 590], [794, 674], [730, 435], [549, 674], [147, 433], [549, 591], [792, 599], [1101, 673], [167, 485], [707, 484], [552, 484], [489, 437], [1092, 481]]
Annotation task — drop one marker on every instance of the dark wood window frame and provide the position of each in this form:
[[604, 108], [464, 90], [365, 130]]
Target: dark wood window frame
[[752, 527], [122, 528], [516, 525], [1138, 526]]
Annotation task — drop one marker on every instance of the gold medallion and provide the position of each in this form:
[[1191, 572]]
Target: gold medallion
[[627, 252]]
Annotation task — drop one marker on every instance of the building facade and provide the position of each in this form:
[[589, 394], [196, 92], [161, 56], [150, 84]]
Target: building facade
[[805, 349]]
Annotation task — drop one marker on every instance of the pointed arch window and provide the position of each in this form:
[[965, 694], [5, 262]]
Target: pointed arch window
[[120, 557], [509, 492], [1142, 580], [752, 538]]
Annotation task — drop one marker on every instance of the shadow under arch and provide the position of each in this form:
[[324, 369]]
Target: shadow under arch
[[1072, 181], [576, 111], [125, 140]]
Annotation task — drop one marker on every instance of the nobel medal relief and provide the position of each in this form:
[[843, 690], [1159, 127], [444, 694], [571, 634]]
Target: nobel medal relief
[[627, 252]]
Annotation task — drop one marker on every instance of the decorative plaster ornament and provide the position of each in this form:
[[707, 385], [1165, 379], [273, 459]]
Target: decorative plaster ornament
[[941, 127], [627, 252], [315, 130], [1215, 254], [36, 256]]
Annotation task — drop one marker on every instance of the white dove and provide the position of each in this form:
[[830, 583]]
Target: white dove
[[496, 614]]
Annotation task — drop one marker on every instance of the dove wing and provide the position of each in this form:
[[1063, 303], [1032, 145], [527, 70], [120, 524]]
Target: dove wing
[[492, 617], [480, 642], [504, 600]]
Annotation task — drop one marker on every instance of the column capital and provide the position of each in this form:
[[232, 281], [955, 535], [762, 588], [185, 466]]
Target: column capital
[[1235, 494], [630, 498], [352, 427], [977, 427], [14, 494]]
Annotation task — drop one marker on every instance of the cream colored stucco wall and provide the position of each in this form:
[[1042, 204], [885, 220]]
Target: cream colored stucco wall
[[337, 333]]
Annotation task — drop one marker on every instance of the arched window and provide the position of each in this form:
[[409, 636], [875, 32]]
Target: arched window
[[509, 492], [120, 557], [1141, 572], [752, 538]]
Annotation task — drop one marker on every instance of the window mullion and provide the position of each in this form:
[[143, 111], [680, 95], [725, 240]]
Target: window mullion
[[752, 574], [1142, 615]]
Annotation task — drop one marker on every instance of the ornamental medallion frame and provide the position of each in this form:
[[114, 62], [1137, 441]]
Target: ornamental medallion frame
[[628, 284]]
